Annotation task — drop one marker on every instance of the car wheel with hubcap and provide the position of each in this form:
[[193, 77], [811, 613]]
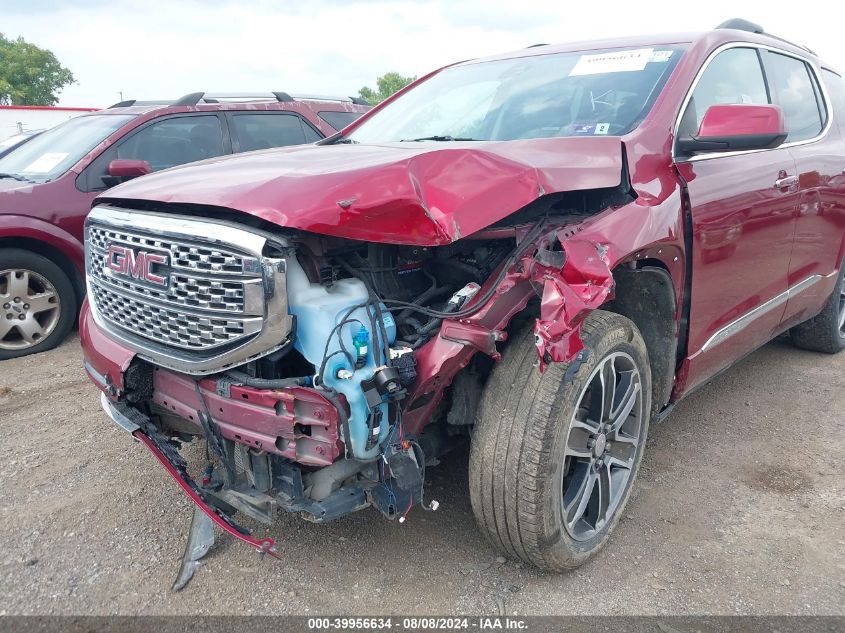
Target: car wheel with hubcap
[[37, 303], [554, 455]]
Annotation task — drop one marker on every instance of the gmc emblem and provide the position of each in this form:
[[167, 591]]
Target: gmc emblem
[[136, 264]]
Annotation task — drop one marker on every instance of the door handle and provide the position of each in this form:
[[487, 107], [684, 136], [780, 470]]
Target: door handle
[[786, 181]]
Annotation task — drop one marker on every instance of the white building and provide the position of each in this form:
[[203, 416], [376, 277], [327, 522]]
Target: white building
[[17, 119]]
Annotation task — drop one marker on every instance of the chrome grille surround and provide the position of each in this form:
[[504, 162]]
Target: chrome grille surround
[[216, 301]]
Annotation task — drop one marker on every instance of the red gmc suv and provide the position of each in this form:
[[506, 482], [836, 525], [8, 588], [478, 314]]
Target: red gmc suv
[[539, 252], [47, 185]]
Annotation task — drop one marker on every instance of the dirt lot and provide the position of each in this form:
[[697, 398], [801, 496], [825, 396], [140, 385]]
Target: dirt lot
[[739, 508]]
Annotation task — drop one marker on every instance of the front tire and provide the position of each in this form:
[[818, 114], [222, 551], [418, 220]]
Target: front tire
[[553, 457], [37, 303], [826, 331]]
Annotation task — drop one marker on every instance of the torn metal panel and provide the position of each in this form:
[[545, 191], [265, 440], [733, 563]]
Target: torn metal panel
[[568, 294], [571, 282]]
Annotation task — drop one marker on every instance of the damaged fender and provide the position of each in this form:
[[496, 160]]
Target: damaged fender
[[569, 293]]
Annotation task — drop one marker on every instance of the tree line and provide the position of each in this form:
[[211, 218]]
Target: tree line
[[30, 75]]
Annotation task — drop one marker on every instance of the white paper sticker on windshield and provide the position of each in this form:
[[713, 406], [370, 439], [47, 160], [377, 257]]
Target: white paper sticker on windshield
[[616, 62], [46, 163], [602, 128]]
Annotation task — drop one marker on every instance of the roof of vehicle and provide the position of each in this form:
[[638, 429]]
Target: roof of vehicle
[[729, 31], [47, 108], [215, 102], [209, 101]]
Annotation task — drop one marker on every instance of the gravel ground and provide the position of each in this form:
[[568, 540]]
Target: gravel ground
[[739, 509]]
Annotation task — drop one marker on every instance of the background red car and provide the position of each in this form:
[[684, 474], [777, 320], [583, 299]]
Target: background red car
[[47, 185]]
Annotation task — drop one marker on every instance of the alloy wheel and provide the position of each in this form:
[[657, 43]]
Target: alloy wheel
[[602, 446], [842, 311], [29, 308]]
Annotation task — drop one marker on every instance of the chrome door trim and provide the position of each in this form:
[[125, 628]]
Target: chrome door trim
[[736, 326]]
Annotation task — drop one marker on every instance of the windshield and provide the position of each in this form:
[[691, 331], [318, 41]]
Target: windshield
[[10, 142], [53, 152], [603, 92]]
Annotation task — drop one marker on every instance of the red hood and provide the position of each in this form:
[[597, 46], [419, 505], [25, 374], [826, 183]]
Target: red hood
[[425, 194]]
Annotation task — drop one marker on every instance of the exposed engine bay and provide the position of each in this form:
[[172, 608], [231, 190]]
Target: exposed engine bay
[[362, 312]]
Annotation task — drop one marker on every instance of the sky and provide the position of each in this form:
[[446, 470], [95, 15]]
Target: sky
[[163, 49]]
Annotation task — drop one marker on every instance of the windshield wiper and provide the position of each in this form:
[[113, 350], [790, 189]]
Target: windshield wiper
[[437, 138], [16, 177]]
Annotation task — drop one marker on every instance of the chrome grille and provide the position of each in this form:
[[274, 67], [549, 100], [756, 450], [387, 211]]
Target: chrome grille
[[205, 259], [191, 294], [183, 290], [187, 256], [209, 293], [187, 331]]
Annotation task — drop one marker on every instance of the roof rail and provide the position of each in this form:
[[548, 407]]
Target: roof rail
[[752, 27], [195, 98], [313, 97], [133, 102], [741, 25], [536, 45], [189, 99]]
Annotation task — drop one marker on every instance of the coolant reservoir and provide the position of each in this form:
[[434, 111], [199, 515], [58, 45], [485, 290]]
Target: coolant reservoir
[[318, 310]]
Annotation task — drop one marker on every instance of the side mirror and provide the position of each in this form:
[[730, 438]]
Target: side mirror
[[126, 168], [728, 128]]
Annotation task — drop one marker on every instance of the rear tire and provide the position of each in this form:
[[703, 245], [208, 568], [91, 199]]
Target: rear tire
[[536, 444], [37, 303], [826, 331]]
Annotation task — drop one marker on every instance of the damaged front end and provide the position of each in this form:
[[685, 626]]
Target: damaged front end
[[321, 371]]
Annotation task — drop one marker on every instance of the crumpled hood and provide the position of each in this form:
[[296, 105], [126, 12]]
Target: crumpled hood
[[425, 194]]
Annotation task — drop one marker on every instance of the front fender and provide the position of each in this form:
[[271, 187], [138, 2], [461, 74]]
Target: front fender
[[26, 227]]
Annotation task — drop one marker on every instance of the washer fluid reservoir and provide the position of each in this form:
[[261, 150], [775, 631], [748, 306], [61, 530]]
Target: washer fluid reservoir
[[318, 310]]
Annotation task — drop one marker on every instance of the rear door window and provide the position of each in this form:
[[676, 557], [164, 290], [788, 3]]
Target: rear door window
[[311, 135], [733, 76], [175, 141], [273, 129], [793, 89], [338, 120]]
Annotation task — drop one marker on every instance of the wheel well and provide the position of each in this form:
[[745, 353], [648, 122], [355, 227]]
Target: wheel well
[[646, 295], [53, 254]]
